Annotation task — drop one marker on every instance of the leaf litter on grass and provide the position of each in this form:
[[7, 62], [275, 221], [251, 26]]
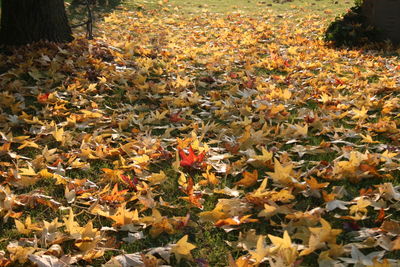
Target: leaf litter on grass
[[168, 131]]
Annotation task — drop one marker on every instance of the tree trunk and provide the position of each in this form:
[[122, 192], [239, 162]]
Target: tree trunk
[[384, 15], [27, 21]]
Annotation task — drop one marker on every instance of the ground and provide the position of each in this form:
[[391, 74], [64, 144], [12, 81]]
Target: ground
[[201, 133]]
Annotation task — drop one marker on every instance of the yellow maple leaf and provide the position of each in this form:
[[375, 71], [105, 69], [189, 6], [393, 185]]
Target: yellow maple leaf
[[368, 139], [249, 179], [243, 261], [182, 181], [360, 207], [26, 143], [141, 159], [44, 173], [90, 237], [313, 184], [301, 131], [283, 243], [381, 263], [27, 227], [261, 250], [124, 216], [213, 215], [58, 134], [319, 236], [360, 113], [210, 177], [260, 160], [348, 168], [182, 249], [161, 225], [282, 175], [157, 178], [283, 252], [71, 225], [19, 253], [268, 211], [27, 171], [111, 175], [387, 156]]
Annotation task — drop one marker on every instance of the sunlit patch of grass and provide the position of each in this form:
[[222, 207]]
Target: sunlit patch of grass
[[212, 245], [328, 8]]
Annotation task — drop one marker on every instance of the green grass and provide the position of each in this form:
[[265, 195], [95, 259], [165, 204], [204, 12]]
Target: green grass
[[327, 7]]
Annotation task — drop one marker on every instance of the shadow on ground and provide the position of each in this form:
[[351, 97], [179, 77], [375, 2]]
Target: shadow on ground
[[352, 31], [78, 12]]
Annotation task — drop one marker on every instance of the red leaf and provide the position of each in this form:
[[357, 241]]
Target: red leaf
[[381, 216], [338, 81], [42, 98], [175, 117], [191, 160], [130, 182]]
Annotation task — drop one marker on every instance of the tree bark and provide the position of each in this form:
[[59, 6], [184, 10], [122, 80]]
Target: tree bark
[[27, 21]]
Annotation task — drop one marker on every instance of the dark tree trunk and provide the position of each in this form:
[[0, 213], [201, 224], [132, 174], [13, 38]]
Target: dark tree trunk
[[27, 21], [384, 15]]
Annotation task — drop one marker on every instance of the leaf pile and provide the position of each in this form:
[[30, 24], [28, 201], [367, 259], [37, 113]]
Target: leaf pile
[[168, 132]]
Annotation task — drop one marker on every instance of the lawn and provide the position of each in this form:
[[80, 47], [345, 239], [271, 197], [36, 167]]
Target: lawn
[[201, 133]]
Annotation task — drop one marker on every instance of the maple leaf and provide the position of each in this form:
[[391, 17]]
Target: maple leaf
[[191, 160], [124, 216], [260, 252], [160, 224], [380, 263], [319, 236], [235, 221], [283, 175], [260, 160], [193, 198], [360, 113], [357, 257], [52, 261], [283, 252], [334, 204], [157, 178], [182, 249], [240, 262], [360, 208], [216, 214], [89, 238], [112, 175], [42, 98], [19, 253], [27, 227], [314, 186], [272, 209], [249, 179], [210, 177], [281, 243], [368, 139], [175, 117], [50, 233], [71, 225]]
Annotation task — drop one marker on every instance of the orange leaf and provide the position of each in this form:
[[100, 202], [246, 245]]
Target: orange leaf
[[192, 197], [42, 98], [381, 215], [249, 179], [191, 160]]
